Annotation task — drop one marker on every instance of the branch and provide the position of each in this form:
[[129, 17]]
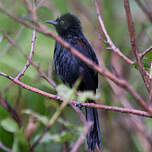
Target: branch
[[6, 49], [41, 2], [56, 114], [102, 71], [82, 137], [4, 147], [32, 10], [145, 52], [134, 46], [108, 40], [29, 58], [36, 66], [57, 98], [136, 122], [145, 10], [79, 112], [12, 111]]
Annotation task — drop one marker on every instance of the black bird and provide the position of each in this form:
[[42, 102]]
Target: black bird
[[69, 67]]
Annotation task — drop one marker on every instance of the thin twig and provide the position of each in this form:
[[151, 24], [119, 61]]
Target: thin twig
[[52, 96], [40, 4], [134, 45], [36, 66], [30, 56], [108, 39], [80, 140], [56, 114], [43, 29], [17, 102], [3, 147], [31, 10], [145, 52], [11, 110], [102, 71], [149, 5], [80, 114], [137, 122], [3, 52], [144, 9], [31, 127]]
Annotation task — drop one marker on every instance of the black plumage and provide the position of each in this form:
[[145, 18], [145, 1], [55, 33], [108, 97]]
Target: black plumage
[[69, 67]]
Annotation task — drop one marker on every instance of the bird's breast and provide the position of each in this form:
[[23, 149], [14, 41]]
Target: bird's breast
[[66, 65]]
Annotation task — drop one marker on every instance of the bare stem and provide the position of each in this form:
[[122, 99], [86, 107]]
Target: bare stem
[[134, 45], [102, 71], [29, 58], [80, 140], [52, 96], [108, 39]]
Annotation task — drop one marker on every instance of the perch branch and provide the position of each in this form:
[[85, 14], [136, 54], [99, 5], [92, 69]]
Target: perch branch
[[134, 45], [102, 71], [108, 39], [52, 96]]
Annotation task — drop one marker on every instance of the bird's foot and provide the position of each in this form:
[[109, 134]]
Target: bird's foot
[[78, 104]]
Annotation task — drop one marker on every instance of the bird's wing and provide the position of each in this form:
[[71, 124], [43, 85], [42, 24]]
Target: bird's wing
[[90, 80]]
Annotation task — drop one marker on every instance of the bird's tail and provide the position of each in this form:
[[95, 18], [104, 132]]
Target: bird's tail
[[94, 135]]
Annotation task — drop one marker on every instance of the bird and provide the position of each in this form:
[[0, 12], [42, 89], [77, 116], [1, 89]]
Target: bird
[[70, 68]]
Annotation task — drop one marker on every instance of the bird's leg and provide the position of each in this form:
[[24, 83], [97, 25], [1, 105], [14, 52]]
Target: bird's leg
[[78, 104]]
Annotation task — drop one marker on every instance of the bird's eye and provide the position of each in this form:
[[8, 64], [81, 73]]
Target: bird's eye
[[61, 22]]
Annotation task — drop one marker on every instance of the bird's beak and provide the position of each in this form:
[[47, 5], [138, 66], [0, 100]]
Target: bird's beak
[[53, 22]]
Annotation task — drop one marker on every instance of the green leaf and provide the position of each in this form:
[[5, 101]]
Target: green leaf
[[66, 123], [149, 54], [147, 59], [20, 142], [59, 138], [42, 119], [9, 125], [135, 65], [145, 63], [63, 91]]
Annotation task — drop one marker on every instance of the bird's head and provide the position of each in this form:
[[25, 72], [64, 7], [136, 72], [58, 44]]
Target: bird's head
[[66, 24]]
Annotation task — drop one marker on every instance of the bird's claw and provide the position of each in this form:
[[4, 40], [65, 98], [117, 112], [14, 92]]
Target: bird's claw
[[78, 104]]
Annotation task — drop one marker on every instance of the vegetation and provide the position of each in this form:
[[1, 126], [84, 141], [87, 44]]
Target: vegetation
[[32, 95]]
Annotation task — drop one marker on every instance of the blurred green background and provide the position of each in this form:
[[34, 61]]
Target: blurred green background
[[118, 130]]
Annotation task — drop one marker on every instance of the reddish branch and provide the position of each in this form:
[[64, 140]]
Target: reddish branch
[[145, 52], [29, 58], [134, 45], [108, 39], [137, 122], [12, 111], [82, 137], [43, 29], [6, 49], [11, 41], [99, 106], [79, 112], [3, 147], [145, 10]]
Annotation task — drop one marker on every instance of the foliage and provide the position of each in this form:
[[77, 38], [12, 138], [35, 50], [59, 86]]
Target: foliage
[[68, 127]]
